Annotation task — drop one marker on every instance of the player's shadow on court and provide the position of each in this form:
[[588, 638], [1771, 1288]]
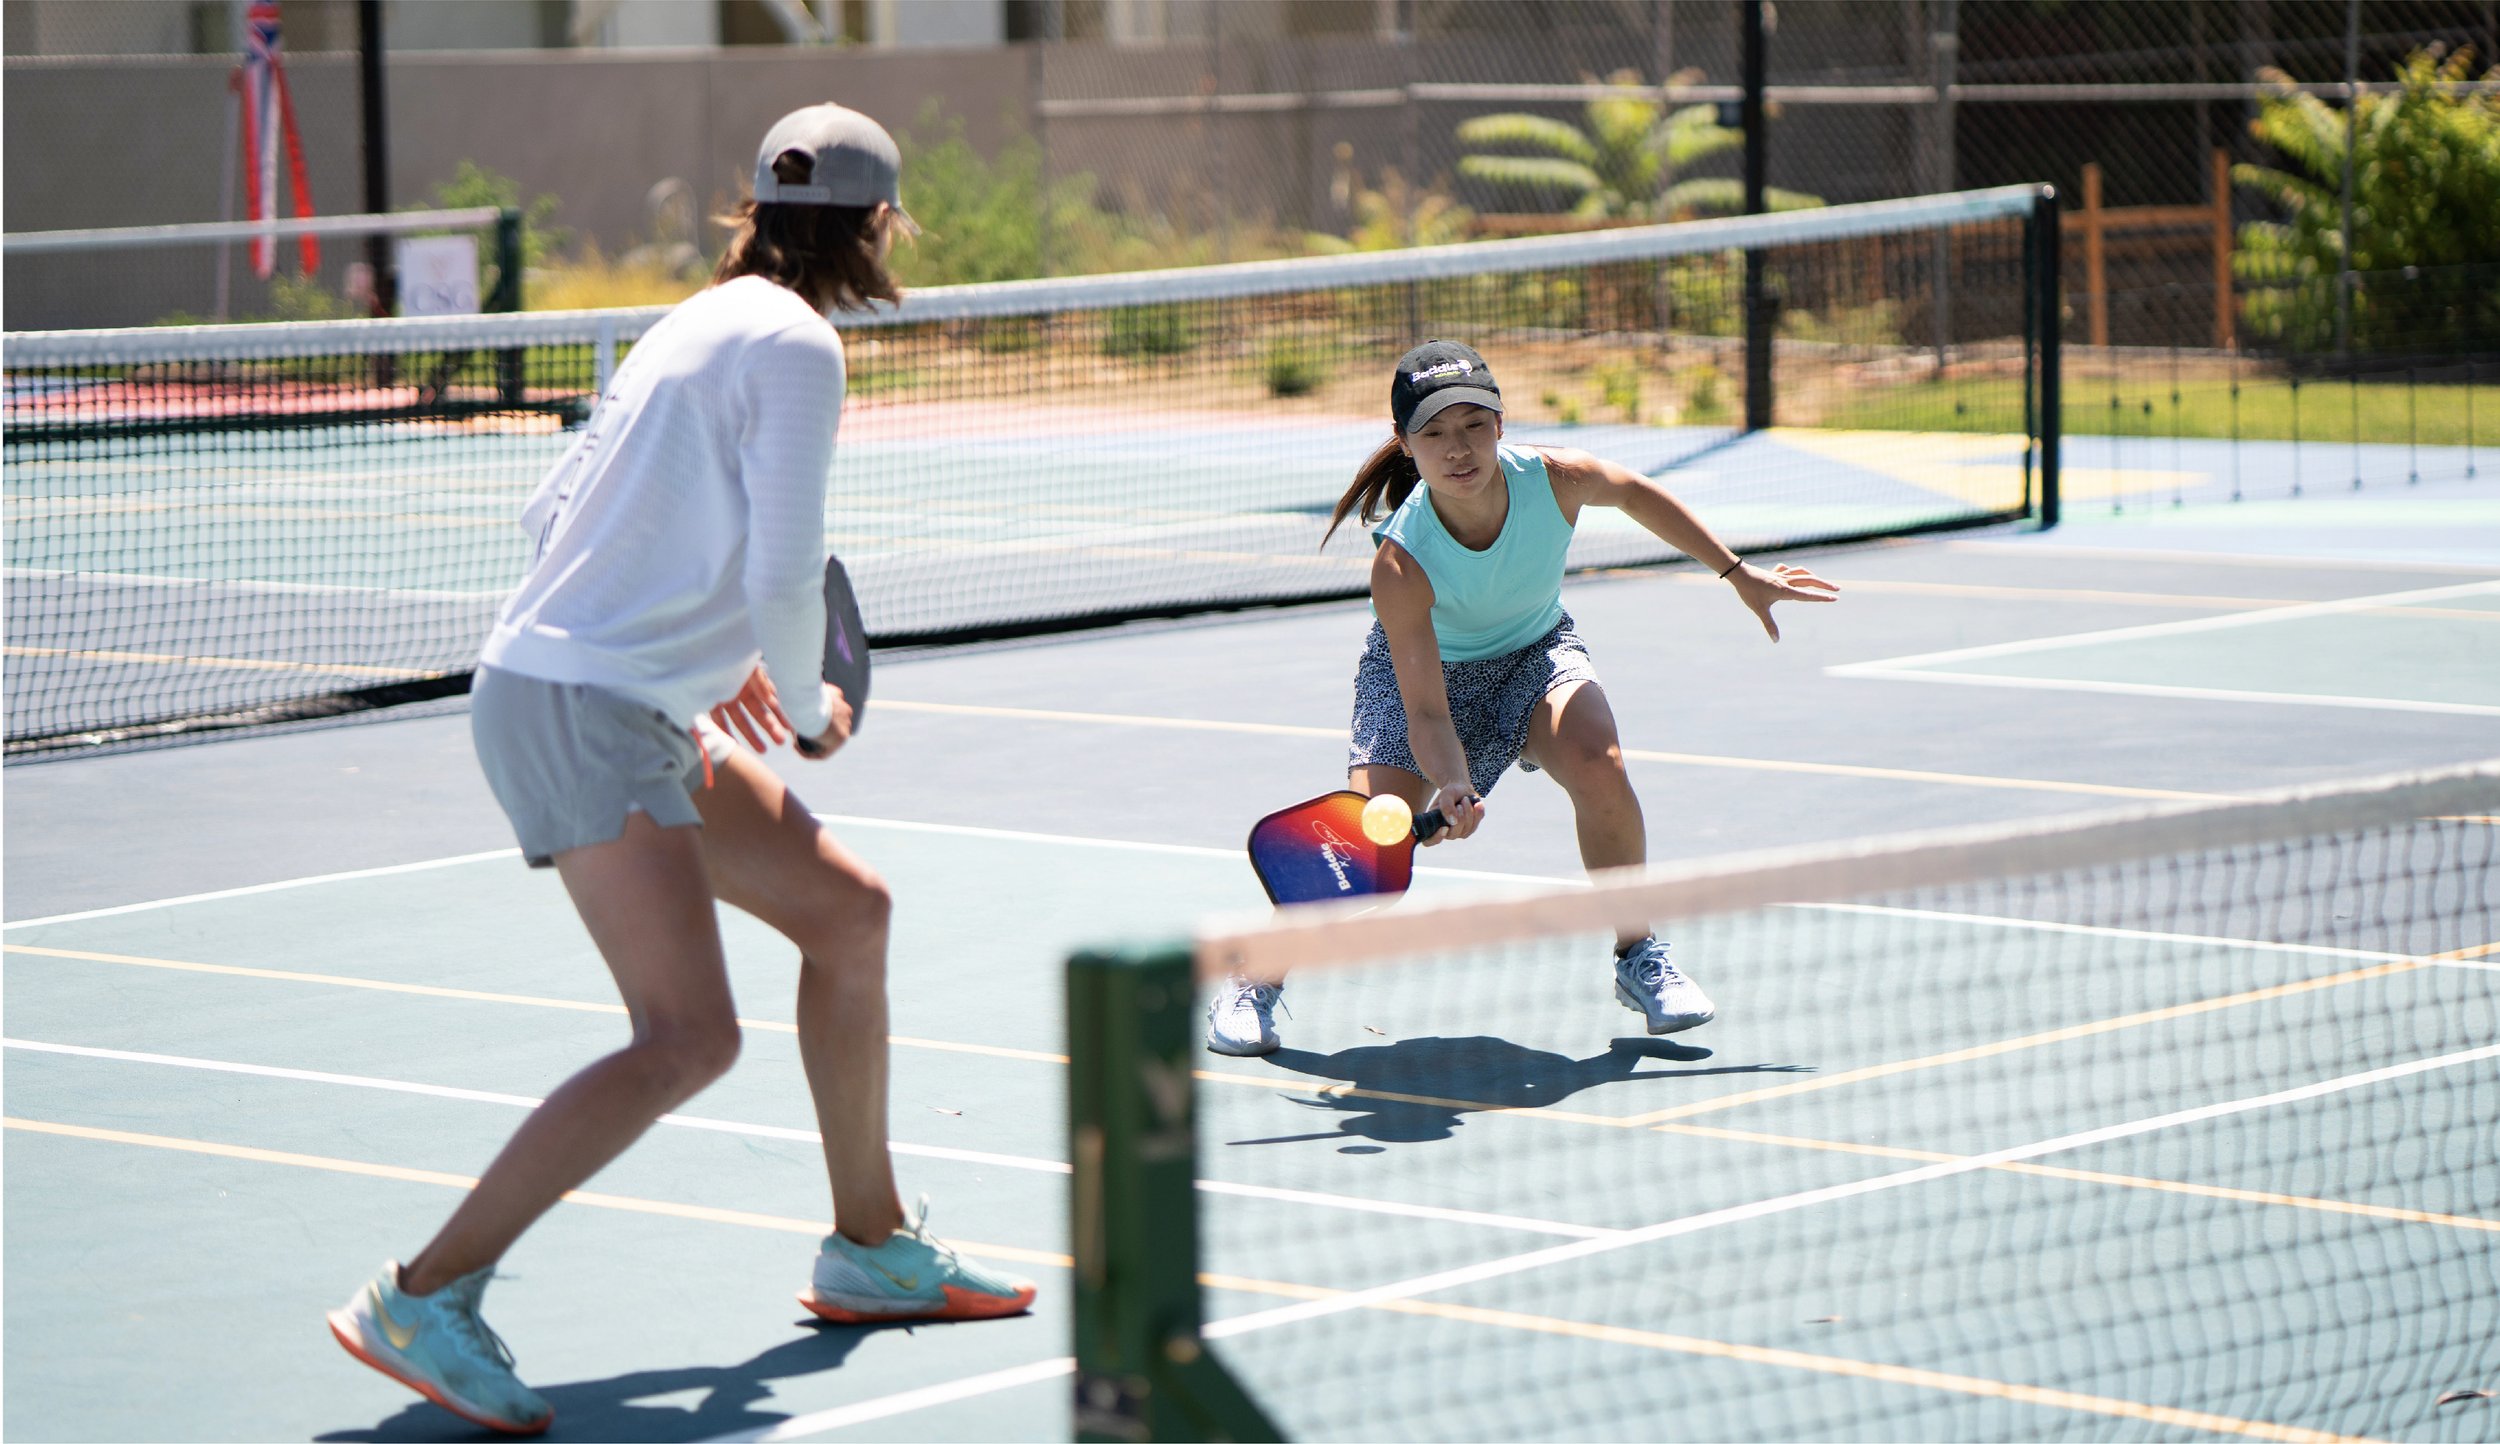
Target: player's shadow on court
[[1420, 1090], [625, 1407]]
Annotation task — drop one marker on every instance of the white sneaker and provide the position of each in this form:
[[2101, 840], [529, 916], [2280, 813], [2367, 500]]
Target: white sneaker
[[1649, 985], [1241, 1022]]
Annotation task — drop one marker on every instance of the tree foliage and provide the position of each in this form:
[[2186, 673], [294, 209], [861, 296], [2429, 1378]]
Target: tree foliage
[[981, 218], [2425, 223], [1621, 161]]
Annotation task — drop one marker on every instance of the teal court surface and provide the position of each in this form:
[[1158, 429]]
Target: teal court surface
[[273, 1000]]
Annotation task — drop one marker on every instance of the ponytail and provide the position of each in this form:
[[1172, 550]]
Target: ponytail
[[1380, 484]]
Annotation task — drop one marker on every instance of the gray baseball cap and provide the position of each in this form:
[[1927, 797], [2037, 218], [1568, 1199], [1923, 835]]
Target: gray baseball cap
[[856, 163]]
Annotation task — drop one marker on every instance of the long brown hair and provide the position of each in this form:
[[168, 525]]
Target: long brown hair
[[1380, 483], [828, 254]]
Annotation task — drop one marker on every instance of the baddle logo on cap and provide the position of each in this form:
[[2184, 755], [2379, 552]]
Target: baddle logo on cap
[[1436, 376], [855, 163]]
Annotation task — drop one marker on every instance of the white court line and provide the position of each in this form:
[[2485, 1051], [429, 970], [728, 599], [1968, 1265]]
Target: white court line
[[1173, 849], [805, 1424], [2245, 945], [1170, 849], [247, 584], [2265, 617], [808, 1135], [800, 1426], [256, 888], [2149, 689], [1919, 668], [1740, 1213], [2225, 559]]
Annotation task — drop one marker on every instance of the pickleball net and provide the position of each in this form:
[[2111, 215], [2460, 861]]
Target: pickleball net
[[219, 525], [2174, 1122]]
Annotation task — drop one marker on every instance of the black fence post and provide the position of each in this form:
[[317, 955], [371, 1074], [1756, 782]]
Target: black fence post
[[2051, 301], [1758, 317]]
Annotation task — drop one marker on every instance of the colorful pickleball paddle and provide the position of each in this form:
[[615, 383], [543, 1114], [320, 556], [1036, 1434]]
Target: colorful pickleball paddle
[[1317, 850]]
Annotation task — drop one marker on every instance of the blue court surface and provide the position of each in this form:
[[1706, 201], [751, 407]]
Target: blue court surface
[[273, 1000]]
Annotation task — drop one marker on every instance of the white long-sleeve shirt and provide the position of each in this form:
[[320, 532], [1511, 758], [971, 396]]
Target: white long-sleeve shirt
[[682, 537]]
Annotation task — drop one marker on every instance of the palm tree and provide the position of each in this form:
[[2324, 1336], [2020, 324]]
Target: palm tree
[[1621, 162]]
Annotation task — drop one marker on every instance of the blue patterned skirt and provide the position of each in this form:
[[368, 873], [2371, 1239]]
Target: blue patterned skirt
[[1491, 701]]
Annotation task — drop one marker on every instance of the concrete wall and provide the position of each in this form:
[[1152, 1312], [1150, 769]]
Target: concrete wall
[[655, 24], [468, 25], [142, 141], [89, 27], [938, 24]]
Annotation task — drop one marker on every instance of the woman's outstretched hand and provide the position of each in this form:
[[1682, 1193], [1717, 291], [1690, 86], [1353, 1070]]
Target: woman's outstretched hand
[[1758, 589]]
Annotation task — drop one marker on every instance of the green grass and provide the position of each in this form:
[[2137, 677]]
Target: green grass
[[2389, 412]]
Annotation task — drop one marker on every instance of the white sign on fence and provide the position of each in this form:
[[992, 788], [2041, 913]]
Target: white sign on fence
[[438, 276]]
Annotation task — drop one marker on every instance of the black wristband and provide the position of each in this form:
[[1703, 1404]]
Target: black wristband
[[1731, 566]]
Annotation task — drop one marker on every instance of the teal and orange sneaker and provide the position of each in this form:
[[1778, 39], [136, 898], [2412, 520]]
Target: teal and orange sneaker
[[912, 1275], [437, 1345]]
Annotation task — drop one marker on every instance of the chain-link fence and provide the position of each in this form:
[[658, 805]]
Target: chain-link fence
[[1173, 132], [1253, 125], [2227, 275]]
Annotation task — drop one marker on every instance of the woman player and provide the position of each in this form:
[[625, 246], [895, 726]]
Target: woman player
[[679, 541], [1473, 664]]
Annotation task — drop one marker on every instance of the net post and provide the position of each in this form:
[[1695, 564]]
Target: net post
[[507, 292], [510, 382], [2049, 302], [1143, 1371], [1758, 303]]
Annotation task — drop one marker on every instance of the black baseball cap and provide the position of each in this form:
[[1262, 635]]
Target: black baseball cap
[[1436, 376]]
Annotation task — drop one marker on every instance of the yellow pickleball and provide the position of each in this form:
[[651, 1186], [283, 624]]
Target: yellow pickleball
[[1387, 820]]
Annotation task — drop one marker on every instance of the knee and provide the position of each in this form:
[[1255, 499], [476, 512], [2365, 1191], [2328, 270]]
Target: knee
[[848, 920], [855, 896], [1590, 763], [687, 1057], [868, 898]]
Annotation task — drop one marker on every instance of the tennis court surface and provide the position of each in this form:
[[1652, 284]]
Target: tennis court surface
[[2050, 1126], [272, 998]]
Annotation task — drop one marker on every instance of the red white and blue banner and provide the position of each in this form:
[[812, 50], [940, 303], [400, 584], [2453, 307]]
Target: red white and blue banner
[[268, 126]]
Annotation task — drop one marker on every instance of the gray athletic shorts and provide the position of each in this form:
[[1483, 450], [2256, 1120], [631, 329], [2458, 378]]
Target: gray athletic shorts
[[569, 761]]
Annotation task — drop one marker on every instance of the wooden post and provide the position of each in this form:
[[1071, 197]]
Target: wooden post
[[2095, 278], [2223, 329]]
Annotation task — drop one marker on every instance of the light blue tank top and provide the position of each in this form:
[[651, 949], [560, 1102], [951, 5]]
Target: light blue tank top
[[1486, 603]]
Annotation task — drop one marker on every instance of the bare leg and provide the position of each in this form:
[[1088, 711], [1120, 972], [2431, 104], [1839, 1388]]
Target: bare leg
[[1572, 737], [766, 855], [1375, 781], [645, 902]]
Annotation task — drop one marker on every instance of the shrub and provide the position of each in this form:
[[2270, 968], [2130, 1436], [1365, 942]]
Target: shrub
[[591, 280], [1401, 214], [1701, 393], [1293, 365], [1147, 331], [2426, 196], [1619, 381], [981, 218], [472, 184]]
